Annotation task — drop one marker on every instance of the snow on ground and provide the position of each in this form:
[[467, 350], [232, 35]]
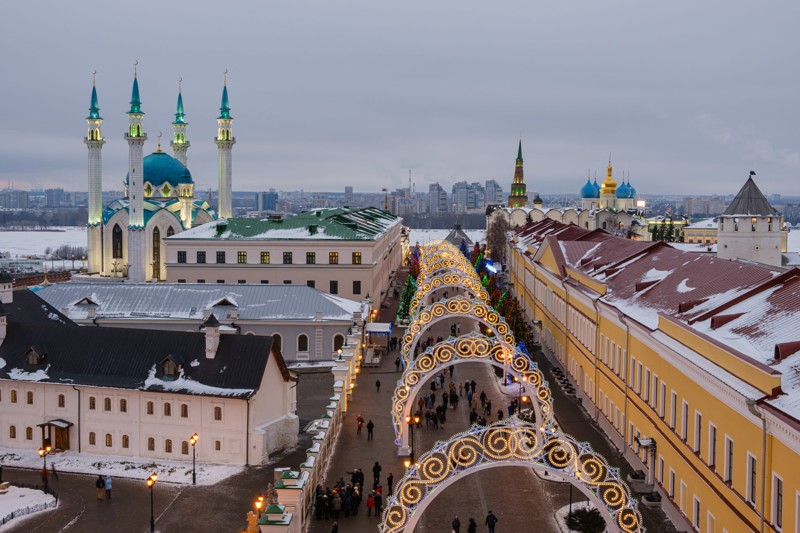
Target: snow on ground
[[119, 466], [28, 243], [561, 514], [20, 502], [319, 364]]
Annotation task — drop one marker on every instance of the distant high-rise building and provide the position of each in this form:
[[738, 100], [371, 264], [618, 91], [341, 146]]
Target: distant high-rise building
[[437, 200], [54, 198], [460, 194], [348, 195], [494, 192], [518, 198], [13, 199], [267, 200]]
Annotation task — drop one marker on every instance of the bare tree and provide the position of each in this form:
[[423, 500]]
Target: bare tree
[[496, 238]]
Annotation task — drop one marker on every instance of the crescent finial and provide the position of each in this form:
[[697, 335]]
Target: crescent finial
[[135, 64], [94, 76], [180, 80], [226, 77]]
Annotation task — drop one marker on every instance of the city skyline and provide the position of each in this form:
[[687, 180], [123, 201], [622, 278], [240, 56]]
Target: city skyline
[[685, 97]]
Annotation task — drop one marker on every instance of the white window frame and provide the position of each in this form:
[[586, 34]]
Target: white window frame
[[662, 408], [728, 460], [750, 486], [696, 512], [778, 524], [711, 459], [673, 410], [684, 420], [698, 431], [671, 488]]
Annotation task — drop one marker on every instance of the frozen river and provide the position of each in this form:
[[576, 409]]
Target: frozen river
[[19, 244]]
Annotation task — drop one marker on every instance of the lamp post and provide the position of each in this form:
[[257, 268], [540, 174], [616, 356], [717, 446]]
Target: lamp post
[[259, 505], [411, 421], [193, 441], [43, 451], [151, 481]]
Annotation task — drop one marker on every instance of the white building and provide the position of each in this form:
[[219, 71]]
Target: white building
[[305, 324], [126, 237], [347, 252], [139, 393]]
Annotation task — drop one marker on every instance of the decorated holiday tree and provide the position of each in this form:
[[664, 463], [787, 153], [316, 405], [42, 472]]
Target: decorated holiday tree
[[406, 296]]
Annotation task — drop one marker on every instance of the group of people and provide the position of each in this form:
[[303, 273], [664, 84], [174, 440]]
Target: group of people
[[472, 526], [103, 485], [360, 426], [346, 498]]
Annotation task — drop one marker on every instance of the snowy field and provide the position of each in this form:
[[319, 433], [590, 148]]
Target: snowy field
[[20, 502], [119, 466]]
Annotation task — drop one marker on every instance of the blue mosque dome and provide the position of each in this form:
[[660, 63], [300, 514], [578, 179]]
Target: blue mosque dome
[[589, 190], [623, 191], [161, 168]]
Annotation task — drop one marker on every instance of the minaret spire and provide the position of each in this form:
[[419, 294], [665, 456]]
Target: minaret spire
[[180, 145], [94, 142], [225, 141], [517, 197], [136, 138]]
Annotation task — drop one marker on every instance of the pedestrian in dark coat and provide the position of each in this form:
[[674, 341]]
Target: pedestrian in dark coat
[[378, 385], [370, 427], [472, 527], [390, 484], [378, 504], [491, 520], [456, 525], [100, 484], [376, 471]]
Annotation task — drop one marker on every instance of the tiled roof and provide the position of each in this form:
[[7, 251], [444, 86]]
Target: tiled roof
[[190, 301], [130, 358]]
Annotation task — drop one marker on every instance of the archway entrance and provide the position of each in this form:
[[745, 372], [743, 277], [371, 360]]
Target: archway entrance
[[511, 442], [444, 280]]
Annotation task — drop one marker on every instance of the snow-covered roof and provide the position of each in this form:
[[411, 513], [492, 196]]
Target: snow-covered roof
[[188, 301], [706, 223]]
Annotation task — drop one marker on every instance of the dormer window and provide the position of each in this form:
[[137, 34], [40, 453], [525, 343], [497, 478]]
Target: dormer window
[[35, 355], [171, 368]]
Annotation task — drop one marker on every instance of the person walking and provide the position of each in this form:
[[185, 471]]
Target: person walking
[[370, 504], [359, 424], [390, 484], [491, 520], [108, 487], [376, 473], [378, 504], [397, 364], [456, 525], [100, 484], [370, 427], [335, 528], [377, 385], [472, 527]]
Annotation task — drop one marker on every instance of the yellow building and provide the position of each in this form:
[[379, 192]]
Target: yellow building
[[689, 363], [701, 232]]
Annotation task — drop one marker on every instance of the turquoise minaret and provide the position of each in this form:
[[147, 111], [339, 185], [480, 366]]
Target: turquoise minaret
[[136, 138], [94, 142], [179, 143], [225, 141]]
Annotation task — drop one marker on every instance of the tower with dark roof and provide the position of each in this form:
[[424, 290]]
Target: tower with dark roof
[[518, 196], [750, 228]]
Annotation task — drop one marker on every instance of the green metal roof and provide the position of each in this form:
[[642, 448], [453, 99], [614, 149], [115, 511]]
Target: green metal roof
[[320, 224], [136, 103], [179, 115], [94, 109], [224, 108]]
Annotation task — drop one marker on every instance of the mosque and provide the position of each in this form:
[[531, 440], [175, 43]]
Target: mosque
[[125, 237], [605, 206]]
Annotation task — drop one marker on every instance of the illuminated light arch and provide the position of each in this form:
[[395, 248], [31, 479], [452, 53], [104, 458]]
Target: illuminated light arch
[[444, 280], [511, 442], [435, 247], [472, 347], [439, 263], [455, 307]]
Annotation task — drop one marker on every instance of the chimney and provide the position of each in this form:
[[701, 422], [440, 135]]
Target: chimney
[[212, 336], [6, 288]]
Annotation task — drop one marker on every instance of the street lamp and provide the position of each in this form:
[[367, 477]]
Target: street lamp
[[150, 482], [340, 354], [411, 421], [193, 441], [259, 505], [43, 451]]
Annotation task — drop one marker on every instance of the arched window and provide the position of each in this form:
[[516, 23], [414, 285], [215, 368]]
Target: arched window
[[168, 446], [338, 342], [13, 396], [126, 441], [185, 448], [277, 340], [167, 409], [62, 401], [29, 433], [156, 253], [123, 405], [109, 440], [92, 403], [302, 343], [92, 438], [106, 404], [151, 444], [150, 408], [170, 231], [218, 413], [12, 432], [30, 398], [116, 242], [184, 410]]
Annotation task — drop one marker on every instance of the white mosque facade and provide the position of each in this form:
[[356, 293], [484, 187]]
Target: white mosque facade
[[125, 237]]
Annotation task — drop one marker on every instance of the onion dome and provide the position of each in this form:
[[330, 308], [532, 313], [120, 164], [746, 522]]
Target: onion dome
[[589, 190], [623, 191], [631, 189], [596, 188], [161, 168]]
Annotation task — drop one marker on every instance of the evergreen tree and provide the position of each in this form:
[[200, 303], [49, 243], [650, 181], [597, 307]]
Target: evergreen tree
[[413, 269], [406, 296], [464, 249]]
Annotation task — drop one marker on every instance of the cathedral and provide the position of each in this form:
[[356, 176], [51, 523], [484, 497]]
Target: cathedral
[[125, 237]]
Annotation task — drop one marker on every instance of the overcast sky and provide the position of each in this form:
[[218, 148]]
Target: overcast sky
[[687, 96]]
